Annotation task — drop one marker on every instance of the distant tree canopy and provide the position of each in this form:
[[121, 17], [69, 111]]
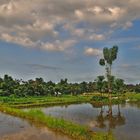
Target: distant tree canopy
[[38, 87], [117, 84]]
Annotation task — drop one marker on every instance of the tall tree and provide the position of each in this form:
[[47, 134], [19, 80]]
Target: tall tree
[[119, 85], [100, 83], [109, 54]]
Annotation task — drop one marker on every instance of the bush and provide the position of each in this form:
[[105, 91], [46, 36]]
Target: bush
[[99, 98]]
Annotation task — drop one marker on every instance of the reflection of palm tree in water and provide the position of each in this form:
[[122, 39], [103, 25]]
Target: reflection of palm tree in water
[[113, 120], [110, 118], [119, 118], [100, 119]]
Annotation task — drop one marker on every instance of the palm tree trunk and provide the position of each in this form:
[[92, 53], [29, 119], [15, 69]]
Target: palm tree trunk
[[109, 82]]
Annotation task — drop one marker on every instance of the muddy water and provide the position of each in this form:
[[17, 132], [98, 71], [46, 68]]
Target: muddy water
[[122, 120], [12, 128]]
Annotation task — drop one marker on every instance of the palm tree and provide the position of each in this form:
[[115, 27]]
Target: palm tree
[[119, 85], [110, 54], [100, 83]]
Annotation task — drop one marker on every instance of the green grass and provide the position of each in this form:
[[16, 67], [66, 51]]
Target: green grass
[[66, 99], [133, 97], [99, 100], [42, 101], [73, 130]]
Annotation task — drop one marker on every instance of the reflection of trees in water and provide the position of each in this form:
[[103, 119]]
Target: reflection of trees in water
[[135, 104], [108, 119], [120, 118], [100, 119]]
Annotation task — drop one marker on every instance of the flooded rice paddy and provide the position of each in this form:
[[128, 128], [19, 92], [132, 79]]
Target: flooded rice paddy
[[12, 128], [122, 120]]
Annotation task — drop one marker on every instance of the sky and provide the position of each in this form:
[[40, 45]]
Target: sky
[[57, 39]]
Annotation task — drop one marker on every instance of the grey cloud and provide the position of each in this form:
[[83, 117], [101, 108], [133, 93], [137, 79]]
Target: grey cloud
[[124, 40], [129, 72], [42, 67]]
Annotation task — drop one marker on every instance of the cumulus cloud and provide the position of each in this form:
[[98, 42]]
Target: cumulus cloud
[[29, 22], [24, 41], [58, 45], [97, 37], [92, 51]]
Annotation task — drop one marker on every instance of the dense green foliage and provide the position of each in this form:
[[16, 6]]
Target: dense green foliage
[[117, 85], [10, 87], [104, 100], [38, 87]]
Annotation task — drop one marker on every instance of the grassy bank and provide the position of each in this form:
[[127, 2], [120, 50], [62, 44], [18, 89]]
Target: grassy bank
[[43, 101], [133, 97], [104, 100], [96, 99], [73, 130]]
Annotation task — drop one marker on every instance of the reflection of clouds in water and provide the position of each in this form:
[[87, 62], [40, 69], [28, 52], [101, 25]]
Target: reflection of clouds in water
[[35, 134], [92, 124], [9, 124], [12, 128]]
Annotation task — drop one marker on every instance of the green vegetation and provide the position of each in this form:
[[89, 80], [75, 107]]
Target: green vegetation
[[73, 130], [95, 98], [133, 97], [101, 84], [108, 83], [104, 100], [43, 100], [110, 54], [13, 88], [10, 87]]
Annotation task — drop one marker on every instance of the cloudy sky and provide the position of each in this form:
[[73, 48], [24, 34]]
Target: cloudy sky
[[57, 39]]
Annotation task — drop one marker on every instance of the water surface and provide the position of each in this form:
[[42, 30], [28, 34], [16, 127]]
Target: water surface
[[123, 121], [12, 128]]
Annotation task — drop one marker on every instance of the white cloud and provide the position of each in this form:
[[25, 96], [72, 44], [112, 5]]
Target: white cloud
[[18, 40], [128, 25], [58, 45], [92, 51], [97, 37], [95, 10], [79, 14]]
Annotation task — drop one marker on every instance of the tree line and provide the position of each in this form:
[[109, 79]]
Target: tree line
[[38, 87]]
